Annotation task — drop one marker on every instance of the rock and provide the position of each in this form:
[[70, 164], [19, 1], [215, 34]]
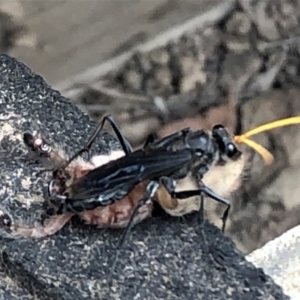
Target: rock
[[164, 257], [280, 259]]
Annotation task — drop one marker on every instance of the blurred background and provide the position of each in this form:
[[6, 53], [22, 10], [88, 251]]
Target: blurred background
[[161, 65]]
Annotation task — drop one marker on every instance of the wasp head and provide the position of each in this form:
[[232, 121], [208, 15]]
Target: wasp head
[[226, 145]]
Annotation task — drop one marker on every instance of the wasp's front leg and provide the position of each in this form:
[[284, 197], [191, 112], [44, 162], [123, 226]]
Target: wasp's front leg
[[205, 190], [171, 202], [202, 191], [211, 194], [178, 206]]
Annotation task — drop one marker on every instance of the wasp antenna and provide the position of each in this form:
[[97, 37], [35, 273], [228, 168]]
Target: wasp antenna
[[271, 125], [266, 155]]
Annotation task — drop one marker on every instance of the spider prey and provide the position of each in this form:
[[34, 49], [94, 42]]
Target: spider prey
[[219, 166], [115, 215], [162, 170]]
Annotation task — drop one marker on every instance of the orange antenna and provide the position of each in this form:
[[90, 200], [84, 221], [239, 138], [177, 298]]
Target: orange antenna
[[271, 125], [267, 156]]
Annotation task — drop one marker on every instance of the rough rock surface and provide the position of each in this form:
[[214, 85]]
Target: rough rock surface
[[280, 259], [164, 258]]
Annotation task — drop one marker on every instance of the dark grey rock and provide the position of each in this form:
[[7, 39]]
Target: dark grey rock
[[164, 257]]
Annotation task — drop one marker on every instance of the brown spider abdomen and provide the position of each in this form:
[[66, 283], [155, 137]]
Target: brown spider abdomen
[[119, 213]]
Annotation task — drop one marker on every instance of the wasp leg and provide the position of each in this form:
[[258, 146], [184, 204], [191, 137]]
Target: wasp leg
[[169, 184], [210, 193], [55, 200], [204, 190], [150, 192], [122, 139]]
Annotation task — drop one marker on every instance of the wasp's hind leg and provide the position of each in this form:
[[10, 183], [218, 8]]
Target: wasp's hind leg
[[127, 148], [122, 139], [150, 192]]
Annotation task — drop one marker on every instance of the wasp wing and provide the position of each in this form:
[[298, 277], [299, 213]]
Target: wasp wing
[[120, 176], [169, 140]]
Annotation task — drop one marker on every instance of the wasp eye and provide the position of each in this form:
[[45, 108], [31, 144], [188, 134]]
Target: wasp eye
[[5, 220], [231, 150]]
